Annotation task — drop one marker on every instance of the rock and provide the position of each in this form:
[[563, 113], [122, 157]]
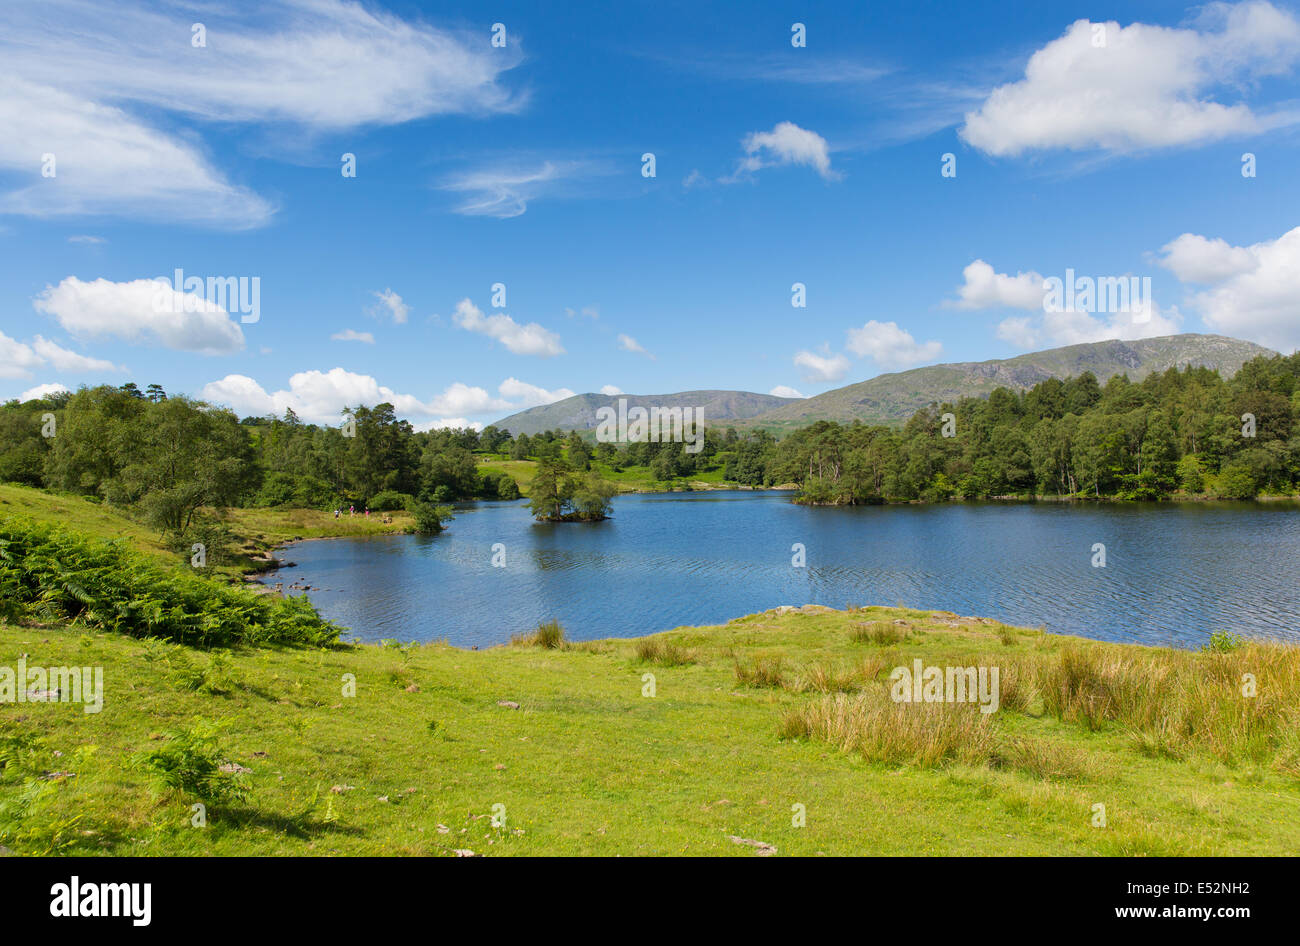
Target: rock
[[508, 704], [413, 688], [464, 852], [42, 696], [340, 789], [443, 829], [761, 848], [233, 768]]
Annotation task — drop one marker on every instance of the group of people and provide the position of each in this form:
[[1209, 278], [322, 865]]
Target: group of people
[[352, 511]]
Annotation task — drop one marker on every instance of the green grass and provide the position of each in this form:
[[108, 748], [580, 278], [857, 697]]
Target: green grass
[[257, 531], [587, 764]]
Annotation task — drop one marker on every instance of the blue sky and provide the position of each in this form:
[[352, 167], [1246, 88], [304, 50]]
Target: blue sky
[[1106, 139]]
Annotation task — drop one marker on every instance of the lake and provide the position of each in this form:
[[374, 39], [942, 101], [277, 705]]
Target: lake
[[1173, 572]]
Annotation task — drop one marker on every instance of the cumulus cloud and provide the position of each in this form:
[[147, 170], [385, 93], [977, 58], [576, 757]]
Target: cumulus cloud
[[1075, 328], [984, 288], [628, 343], [17, 359], [1119, 89], [821, 368], [610, 390], [143, 310], [1251, 291], [1195, 259], [782, 390], [321, 396], [1018, 331], [80, 79], [890, 346], [351, 335], [530, 339], [530, 395], [42, 391], [392, 303], [786, 143]]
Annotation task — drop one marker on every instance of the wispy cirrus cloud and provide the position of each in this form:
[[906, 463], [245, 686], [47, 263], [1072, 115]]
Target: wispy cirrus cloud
[[105, 89], [628, 343], [505, 190]]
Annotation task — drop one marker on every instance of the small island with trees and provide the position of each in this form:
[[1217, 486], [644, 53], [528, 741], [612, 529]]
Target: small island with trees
[[561, 494]]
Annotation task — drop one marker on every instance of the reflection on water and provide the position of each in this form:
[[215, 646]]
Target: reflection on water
[[1174, 572]]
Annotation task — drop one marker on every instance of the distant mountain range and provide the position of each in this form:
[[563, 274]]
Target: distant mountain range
[[892, 398], [579, 412]]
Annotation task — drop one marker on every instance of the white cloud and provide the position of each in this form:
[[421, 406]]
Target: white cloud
[[786, 143], [391, 301], [448, 423], [628, 343], [108, 162], [530, 395], [986, 289], [610, 391], [141, 310], [821, 368], [41, 391], [84, 238], [590, 311], [1075, 328], [80, 76], [1019, 332], [530, 339], [351, 335], [1252, 291], [1145, 87], [890, 346], [1195, 259], [17, 359], [504, 192], [782, 390], [321, 396], [64, 360]]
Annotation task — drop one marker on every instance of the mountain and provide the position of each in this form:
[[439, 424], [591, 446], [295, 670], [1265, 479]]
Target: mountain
[[892, 398], [579, 412]]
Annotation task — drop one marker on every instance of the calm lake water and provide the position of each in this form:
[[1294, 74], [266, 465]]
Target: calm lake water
[[1174, 572]]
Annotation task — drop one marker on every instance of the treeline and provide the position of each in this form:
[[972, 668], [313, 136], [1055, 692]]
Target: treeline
[[1183, 431]]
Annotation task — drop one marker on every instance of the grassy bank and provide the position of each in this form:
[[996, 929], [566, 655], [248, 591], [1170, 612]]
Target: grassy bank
[[748, 719], [256, 531]]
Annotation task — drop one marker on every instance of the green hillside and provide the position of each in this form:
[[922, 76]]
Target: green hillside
[[892, 398], [579, 412]]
